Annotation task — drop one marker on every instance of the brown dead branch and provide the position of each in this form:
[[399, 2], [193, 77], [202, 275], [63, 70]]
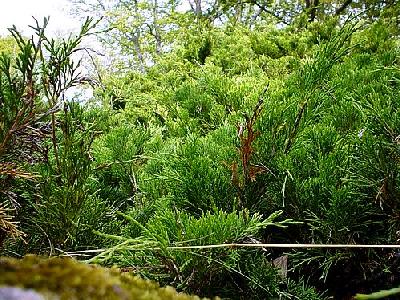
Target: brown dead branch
[[247, 135]]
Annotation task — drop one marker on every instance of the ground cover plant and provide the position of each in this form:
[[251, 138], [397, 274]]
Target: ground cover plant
[[221, 124]]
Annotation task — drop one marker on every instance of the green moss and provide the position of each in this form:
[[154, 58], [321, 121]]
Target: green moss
[[64, 278]]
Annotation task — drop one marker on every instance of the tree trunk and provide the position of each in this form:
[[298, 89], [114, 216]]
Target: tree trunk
[[157, 34], [136, 43], [198, 10], [138, 49], [343, 7], [313, 10]]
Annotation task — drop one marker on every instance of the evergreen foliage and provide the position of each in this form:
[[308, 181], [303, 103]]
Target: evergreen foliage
[[226, 124]]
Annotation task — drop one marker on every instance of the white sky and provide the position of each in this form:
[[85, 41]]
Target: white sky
[[20, 12], [61, 23]]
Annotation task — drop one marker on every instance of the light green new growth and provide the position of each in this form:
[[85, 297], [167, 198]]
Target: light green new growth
[[378, 295]]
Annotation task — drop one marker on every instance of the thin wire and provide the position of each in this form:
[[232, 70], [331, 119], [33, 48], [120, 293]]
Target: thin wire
[[235, 245], [285, 246]]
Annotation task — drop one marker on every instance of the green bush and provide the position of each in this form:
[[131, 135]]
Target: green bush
[[154, 252]]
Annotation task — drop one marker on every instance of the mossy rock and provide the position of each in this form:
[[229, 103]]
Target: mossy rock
[[65, 278]]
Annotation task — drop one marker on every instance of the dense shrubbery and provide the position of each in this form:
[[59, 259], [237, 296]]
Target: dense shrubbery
[[237, 134]]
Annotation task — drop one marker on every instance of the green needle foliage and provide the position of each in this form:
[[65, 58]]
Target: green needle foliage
[[378, 295], [53, 143], [230, 123], [207, 271]]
